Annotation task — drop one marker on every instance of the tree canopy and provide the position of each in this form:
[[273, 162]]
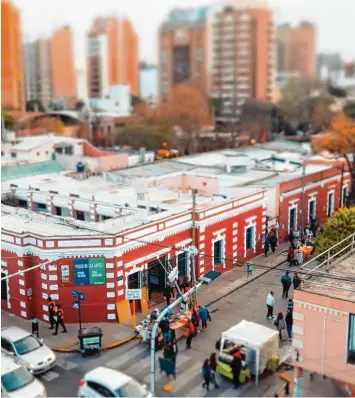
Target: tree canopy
[[306, 102], [336, 229], [339, 140]]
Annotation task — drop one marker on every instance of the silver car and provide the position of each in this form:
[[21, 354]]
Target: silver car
[[27, 349]]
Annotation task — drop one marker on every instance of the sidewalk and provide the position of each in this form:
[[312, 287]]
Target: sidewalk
[[225, 284], [112, 332]]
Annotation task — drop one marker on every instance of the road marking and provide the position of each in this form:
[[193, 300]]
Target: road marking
[[66, 365], [126, 357], [182, 379], [181, 359], [49, 376]]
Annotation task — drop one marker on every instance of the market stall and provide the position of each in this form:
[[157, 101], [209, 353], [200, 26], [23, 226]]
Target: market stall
[[258, 345], [177, 324]]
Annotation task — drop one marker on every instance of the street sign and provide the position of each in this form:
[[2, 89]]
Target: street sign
[[77, 294], [133, 294], [75, 305]]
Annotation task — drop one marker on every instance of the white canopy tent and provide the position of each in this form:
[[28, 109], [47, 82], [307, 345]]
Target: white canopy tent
[[261, 342]]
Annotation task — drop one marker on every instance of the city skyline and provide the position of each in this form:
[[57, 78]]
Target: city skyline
[[66, 13]]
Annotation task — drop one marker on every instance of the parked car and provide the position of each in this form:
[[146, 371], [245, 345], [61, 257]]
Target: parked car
[[27, 349], [105, 382], [18, 381]]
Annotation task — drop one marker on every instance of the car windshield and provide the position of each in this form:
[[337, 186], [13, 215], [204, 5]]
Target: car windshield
[[131, 389], [27, 345], [16, 379]]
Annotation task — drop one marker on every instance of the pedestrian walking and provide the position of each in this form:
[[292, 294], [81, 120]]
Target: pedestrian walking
[[280, 324], [249, 268], [290, 304], [52, 311], [60, 320], [289, 322], [291, 255], [296, 281], [314, 226], [206, 374], [190, 332], [213, 366], [266, 245], [195, 319], [273, 242], [204, 315], [167, 294], [168, 352], [165, 328], [270, 302], [286, 284]]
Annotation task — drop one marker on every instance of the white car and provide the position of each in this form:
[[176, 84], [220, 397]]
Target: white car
[[17, 381], [105, 382], [27, 349]]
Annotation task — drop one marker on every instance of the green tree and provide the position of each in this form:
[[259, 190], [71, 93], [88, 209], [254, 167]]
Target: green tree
[[306, 101], [337, 228]]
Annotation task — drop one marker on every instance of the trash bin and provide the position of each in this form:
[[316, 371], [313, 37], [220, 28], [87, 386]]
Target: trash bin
[[90, 341], [35, 327]]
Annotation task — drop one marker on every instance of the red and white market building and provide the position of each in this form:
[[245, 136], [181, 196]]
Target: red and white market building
[[111, 237]]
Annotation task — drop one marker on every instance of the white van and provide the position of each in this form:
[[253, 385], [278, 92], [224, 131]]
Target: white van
[[17, 381]]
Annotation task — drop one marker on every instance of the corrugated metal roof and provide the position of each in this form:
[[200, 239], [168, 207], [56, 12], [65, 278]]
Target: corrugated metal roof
[[31, 169]]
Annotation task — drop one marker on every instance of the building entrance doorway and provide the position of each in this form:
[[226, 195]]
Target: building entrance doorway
[[157, 280], [4, 287]]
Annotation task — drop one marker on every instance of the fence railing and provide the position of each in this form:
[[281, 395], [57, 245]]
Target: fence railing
[[329, 256]]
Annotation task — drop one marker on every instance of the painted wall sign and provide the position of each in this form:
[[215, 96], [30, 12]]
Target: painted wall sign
[[89, 271]]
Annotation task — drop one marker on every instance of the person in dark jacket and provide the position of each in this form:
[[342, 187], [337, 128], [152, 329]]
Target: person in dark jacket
[[213, 366], [266, 245], [167, 294], [236, 366], [314, 226], [296, 281], [60, 320], [291, 237], [206, 374], [273, 242], [286, 284], [291, 255], [195, 319], [289, 323], [165, 328], [51, 310]]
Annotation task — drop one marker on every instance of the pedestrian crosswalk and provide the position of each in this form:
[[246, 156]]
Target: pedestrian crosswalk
[[135, 360]]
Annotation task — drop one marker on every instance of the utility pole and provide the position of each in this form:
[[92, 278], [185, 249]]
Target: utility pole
[[193, 236], [302, 197]]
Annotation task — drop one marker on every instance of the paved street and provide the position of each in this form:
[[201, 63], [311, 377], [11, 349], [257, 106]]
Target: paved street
[[247, 303]]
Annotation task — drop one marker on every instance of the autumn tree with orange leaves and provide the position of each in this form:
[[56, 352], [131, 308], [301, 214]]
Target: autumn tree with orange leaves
[[340, 141], [188, 108]]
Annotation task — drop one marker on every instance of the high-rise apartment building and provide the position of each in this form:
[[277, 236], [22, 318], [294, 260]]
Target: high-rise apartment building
[[62, 63], [241, 55], [12, 88], [183, 48], [49, 68], [296, 49], [112, 56]]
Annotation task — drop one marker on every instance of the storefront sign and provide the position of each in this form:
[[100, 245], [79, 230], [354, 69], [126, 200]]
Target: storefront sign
[[133, 294], [65, 266], [97, 271], [89, 271], [81, 272]]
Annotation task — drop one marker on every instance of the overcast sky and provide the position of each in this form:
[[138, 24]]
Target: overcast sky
[[334, 18]]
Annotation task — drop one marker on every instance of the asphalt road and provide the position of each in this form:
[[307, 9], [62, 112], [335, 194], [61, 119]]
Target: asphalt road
[[247, 303]]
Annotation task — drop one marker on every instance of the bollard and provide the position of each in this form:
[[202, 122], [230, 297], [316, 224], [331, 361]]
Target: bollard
[[35, 327]]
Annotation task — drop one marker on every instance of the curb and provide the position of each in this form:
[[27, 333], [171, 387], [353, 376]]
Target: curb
[[245, 283], [105, 348]]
